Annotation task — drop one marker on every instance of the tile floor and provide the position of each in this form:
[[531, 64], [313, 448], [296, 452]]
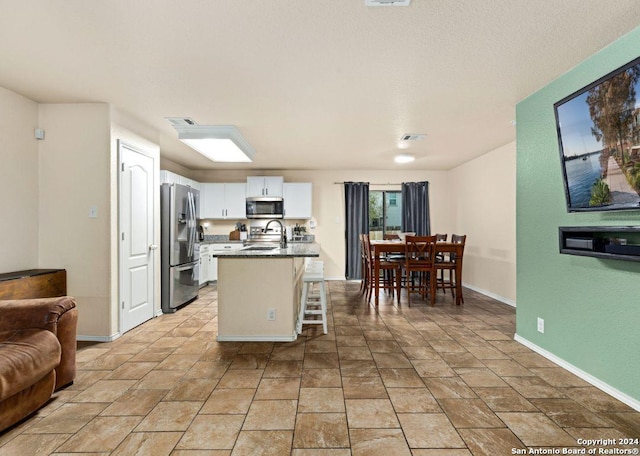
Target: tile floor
[[419, 381]]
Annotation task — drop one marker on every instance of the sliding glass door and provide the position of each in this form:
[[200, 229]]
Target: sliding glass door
[[385, 213]]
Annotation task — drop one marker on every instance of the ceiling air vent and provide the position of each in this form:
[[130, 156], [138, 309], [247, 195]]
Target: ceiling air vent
[[181, 121], [412, 137], [387, 2]]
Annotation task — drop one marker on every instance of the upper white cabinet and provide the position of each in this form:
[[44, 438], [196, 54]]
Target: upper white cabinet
[[190, 183], [168, 177], [298, 201], [264, 186], [223, 201]]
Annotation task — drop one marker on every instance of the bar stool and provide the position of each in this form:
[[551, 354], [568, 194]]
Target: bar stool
[[313, 299]]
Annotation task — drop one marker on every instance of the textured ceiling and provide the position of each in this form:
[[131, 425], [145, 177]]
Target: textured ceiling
[[311, 84]]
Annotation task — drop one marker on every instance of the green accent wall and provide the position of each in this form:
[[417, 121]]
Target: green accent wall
[[590, 306]]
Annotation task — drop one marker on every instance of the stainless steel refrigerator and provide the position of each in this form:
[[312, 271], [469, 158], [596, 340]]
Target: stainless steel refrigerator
[[180, 250]]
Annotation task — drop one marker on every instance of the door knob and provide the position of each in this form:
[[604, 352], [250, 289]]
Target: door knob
[[153, 247]]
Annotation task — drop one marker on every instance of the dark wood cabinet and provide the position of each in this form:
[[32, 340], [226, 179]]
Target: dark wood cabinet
[[33, 283]]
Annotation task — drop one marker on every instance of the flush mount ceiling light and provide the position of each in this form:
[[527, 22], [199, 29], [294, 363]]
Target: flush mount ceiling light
[[219, 143], [404, 158]]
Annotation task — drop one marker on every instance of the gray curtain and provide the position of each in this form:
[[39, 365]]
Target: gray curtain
[[356, 195], [415, 213]]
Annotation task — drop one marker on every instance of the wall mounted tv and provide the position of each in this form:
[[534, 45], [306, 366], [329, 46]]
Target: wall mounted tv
[[599, 136]]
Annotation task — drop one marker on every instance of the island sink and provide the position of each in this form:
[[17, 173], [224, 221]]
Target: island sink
[[259, 247]]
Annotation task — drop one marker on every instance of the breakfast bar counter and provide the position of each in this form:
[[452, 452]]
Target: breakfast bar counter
[[259, 291]]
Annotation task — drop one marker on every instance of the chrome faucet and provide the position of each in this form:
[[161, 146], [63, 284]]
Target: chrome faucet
[[283, 235]]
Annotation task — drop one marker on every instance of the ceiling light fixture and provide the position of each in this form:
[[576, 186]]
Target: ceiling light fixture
[[404, 158], [219, 143]]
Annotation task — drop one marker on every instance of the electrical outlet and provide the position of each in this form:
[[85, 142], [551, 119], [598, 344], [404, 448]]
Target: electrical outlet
[[271, 314], [541, 325]]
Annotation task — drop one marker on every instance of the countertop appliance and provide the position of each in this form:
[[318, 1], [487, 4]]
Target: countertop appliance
[[265, 207], [180, 250]]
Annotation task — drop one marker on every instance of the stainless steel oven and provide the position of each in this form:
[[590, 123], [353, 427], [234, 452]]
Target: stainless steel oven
[[262, 207]]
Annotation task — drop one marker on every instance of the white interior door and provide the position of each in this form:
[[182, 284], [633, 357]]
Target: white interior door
[[138, 246]]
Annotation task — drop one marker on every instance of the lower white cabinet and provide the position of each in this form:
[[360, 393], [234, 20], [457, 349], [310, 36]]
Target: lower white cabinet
[[205, 260], [298, 202], [213, 265], [213, 268]]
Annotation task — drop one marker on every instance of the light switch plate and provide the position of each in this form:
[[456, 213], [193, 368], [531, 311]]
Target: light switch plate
[[93, 212]]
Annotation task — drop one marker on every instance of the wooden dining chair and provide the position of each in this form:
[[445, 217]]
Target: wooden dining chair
[[450, 264], [364, 258], [441, 237], [390, 272], [419, 266]]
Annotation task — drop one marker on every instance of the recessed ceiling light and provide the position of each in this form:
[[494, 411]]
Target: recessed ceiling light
[[404, 158]]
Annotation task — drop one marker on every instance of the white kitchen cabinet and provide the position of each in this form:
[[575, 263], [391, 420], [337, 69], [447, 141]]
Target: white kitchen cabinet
[[298, 201], [169, 177], [190, 182], [223, 201], [213, 265], [205, 260], [264, 186]]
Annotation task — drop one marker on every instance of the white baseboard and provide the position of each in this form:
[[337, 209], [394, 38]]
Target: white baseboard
[[110, 338], [610, 390], [490, 294]]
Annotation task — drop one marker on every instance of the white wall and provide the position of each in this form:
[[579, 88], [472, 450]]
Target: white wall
[[18, 183], [484, 208], [74, 175]]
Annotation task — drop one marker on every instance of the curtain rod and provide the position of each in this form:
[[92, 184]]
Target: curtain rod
[[386, 183]]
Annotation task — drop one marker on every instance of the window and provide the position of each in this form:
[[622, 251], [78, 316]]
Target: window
[[385, 213]]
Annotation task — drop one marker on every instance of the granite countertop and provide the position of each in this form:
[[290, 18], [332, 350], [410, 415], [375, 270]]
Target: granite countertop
[[292, 250], [224, 239]]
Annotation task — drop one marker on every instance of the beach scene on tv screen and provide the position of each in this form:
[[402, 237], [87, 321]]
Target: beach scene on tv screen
[[600, 137]]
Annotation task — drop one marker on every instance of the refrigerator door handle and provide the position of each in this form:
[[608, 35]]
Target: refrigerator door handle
[[192, 225], [189, 224]]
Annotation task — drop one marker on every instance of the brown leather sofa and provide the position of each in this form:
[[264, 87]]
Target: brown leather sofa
[[37, 353]]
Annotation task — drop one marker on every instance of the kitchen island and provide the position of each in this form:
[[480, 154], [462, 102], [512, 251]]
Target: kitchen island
[[259, 291]]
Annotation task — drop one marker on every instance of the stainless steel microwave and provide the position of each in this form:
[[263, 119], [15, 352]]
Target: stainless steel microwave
[[263, 207]]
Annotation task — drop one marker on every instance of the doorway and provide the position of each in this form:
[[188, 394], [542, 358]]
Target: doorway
[[385, 213]]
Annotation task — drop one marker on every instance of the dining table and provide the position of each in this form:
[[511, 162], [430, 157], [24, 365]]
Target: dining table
[[380, 248]]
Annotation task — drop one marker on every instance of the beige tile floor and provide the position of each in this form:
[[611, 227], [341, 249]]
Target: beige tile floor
[[419, 381]]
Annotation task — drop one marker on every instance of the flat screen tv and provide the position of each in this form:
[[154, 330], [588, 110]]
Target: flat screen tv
[[599, 136]]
